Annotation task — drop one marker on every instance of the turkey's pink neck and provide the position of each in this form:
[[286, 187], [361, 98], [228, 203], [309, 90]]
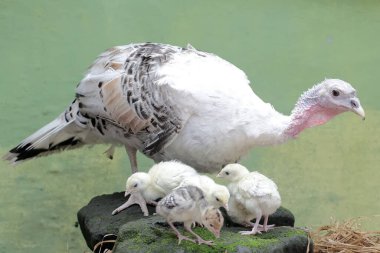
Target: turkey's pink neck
[[309, 116]]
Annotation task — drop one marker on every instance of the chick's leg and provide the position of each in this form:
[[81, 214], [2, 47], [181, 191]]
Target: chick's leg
[[179, 235], [134, 198], [260, 228], [255, 229], [199, 239], [266, 227]]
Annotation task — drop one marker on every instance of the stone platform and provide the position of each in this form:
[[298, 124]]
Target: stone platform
[[136, 233]]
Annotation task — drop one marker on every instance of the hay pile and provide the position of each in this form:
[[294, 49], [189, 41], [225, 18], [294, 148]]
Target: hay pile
[[345, 237]]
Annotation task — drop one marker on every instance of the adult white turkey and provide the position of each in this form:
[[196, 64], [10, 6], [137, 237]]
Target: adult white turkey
[[179, 103]]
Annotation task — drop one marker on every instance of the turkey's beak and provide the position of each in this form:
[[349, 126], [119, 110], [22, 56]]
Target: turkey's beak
[[357, 108]]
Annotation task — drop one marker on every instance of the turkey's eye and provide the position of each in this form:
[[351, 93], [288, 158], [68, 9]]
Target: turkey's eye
[[335, 93], [211, 225], [227, 173]]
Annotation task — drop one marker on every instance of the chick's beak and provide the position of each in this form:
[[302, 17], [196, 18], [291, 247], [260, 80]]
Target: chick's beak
[[226, 207], [357, 108], [219, 175], [127, 192], [217, 233]]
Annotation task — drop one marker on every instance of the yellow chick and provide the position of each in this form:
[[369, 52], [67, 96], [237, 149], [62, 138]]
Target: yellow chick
[[253, 195], [148, 187]]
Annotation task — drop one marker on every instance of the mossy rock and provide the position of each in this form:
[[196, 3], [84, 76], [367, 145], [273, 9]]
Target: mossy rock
[[96, 221], [152, 234]]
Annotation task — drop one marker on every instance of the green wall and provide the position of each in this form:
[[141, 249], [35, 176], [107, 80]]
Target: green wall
[[283, 46]]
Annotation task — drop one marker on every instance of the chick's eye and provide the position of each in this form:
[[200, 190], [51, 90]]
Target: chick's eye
[[135, 185], [211, 225], [335, 93], [227, 173], [217, 199]]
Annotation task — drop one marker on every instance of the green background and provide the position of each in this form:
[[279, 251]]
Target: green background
[[284, 47]]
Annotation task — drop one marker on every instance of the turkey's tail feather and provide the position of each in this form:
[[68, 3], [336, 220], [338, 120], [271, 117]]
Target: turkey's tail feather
[[60, 134]]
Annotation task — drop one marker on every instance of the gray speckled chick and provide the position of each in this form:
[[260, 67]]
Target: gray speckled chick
[[188, 205]]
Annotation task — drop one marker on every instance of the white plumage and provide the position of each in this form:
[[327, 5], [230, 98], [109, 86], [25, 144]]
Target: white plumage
[[188, 205], [253, 195], [161, 179], [179, 103], [216, 195]]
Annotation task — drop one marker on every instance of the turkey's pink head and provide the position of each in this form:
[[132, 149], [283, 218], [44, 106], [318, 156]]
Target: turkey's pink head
[[321, 103]]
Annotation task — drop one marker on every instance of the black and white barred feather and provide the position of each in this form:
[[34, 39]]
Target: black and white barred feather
[[118, 101]]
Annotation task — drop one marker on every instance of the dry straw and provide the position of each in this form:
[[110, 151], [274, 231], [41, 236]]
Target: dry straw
[[345, 237], [99, 245]]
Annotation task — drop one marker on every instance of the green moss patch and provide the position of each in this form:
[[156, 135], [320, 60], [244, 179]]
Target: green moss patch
[[154, 235]]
